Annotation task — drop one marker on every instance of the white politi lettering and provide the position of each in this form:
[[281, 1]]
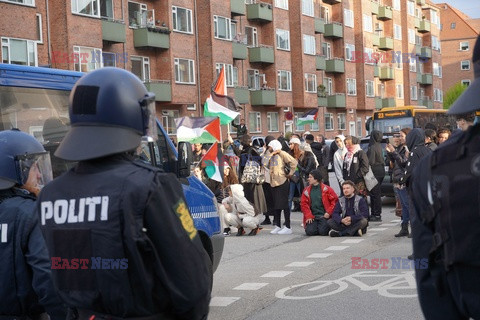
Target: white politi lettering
[[81, 210], [3, 232], [46, 211], [104, 213], [74, 210], [60, 211], [72, 216], [92, 203]]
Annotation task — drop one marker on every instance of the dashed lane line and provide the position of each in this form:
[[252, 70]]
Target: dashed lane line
[[222, 301], [276, 274], [337, 248], [300, 264], [352, 241], [319, 255], [251, 286], [377, 229]]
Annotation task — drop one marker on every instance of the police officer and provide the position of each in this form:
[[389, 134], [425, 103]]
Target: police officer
[[121, 238], [446, 218], [26, 287]]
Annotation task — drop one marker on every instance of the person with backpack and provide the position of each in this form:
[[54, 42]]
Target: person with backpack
[[377, 163]]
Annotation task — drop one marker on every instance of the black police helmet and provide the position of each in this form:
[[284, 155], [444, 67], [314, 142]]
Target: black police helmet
[[108, 114], [469, 101]]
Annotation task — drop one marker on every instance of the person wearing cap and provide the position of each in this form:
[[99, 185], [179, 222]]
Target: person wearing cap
[[317, 203]]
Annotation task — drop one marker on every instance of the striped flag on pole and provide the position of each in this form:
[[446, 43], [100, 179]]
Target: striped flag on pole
[[198, 129], [308, 117]]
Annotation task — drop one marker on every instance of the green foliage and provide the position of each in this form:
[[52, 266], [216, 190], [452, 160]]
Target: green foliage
[[452, 94]]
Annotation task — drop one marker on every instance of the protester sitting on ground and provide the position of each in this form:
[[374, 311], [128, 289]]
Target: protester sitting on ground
[[350, 216], [443, 135], [317, 203], [239, 212]]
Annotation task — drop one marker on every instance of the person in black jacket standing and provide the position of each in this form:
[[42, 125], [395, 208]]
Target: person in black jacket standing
[[241, 128], [119, 232], [377, 163], [26, 289]]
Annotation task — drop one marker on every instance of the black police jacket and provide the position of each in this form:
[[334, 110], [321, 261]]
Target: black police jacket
[[26, 287], [122, 241]]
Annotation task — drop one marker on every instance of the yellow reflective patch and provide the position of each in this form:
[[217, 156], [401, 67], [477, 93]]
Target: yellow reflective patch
[[185, 218]]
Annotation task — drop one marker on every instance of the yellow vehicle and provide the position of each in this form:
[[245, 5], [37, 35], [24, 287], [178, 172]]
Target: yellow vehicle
[[390, 120]]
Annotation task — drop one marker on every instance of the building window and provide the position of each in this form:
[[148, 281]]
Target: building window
[[397, 32], [137, 15], [369, 88], [359, 127], [465, 65], [168, 120], [272, 121], [283, 39], [284, 80], [464, 46], [435, 43], [352, 87], [307, 7], [341, 121], [182, 19], [396, 5], [437, 70], [399, 90], [328, 121], [411, 8], [39, 28], [309, 44], [314, 126], [328, 83], [367, 23], [26, 2], [221, 27], [297, 116], [434, 17], [141, 67], [437, 95], [327, 50], [348, 18], [109, 59], [184, 71], [252, 39], [368, 53], [413, 65], [254, 122], [413, 93], [453, 25], [94, 8], [310, 82], [18, 51], [349, 52], [466, 82], [253, 79], [87, 59], [282, 4], [411, 36], [231, 73]]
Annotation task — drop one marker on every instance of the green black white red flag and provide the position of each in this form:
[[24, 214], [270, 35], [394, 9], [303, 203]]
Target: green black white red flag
[[308, 117]]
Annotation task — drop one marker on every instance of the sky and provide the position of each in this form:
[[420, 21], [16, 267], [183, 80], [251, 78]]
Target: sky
[[469, 7]]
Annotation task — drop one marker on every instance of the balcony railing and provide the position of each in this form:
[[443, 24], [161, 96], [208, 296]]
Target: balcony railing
[[375, 6], [424, 26], [113, 31], [426, 52], [237, 7], [332, 2], [242, 95], [385, 13], [321, 62], [322, 101], [319, 25], [333, 30], [264, 97], [388, 102], [335, 65], [425, 78], [239, 50], [386, 73], [426, 101], [336, 101], [386, 43], [260, 11], [161, 88], [261, 54], [153, 37]]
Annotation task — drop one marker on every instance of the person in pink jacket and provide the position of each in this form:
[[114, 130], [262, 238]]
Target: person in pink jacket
[[317, 203]]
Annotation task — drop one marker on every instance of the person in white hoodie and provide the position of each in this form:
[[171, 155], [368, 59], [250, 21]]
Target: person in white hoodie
[[338, 159], [239, 212]]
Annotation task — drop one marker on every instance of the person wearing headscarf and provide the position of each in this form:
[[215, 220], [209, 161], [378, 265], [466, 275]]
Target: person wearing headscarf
[[376, 160], [307, 162], [338, 158], [355, 164]]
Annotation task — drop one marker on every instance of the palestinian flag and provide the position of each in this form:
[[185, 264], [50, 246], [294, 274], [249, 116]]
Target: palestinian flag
[[218, 104], [211, 162], [198, 129], [308, 117]]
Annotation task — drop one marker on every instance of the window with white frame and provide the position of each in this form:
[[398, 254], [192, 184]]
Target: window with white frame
[[411, 36], [253, 79], [221, 28], [282, 4], [141, 67], [168, 120], [283, 39], [182, 19], [466, 82], [411, 7], [314, 126], [413, 93], [87, 59], [252, 37], [25, 2], [351, 87], [231, 74], [434, 17], [437, 95], [109, 59], [348, 18], [297, 116], [369, 88], [310, 82], [465, 65], [437, 70], [307, 7], [284, 80], [184, 71], [327, 50], [397, 32], [94, 8], [328, 83], [359, 127], [399, 91], [367, 23], [137, 14], [328, 121], [254, 122], [325, 14], [349, 52], [309, 44], [19, 51], [368, 53], [272, 121], [464, 46], [413, 65], [396, 5], [399, 64], [39, 28], [342, 125], [435, 43]]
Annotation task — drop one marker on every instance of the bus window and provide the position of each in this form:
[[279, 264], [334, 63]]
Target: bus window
[[392, 125]]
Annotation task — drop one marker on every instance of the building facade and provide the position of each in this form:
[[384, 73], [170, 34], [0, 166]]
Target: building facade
[[282, 58]]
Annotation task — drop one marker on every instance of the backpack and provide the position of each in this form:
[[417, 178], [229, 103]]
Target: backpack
[[252, 172]]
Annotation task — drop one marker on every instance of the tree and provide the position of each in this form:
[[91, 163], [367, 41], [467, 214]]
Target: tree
[[452, 94]]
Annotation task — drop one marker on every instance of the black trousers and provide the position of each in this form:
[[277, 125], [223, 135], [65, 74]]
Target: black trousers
[[376, 198], [277, 217], [350, 230], [319, 227]]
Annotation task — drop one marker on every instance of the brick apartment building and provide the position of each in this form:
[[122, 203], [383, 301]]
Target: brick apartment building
[[281, 57], [458, 35]]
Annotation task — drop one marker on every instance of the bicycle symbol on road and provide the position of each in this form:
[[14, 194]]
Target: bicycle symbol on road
[[401, 285]]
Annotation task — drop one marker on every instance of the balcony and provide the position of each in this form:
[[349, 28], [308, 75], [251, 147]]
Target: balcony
[[417, 23], [375, 40], [426, 101], [386, 73], [263, 97], [335, 65], [239, 51], [322, 101], [385, 13], [237, 7], [242, 95], [319, 25], [161, 88], [260, 12], [113, 31], [388, 102], [336, 101], [424, 26], [321, 62], [151, 37], [421, 2], [262, 54], [418, 50], [375, 7], [426, 52], [332, 1], [425, 78], [376, 71], [378, 103], [386, 43], [333, 30]]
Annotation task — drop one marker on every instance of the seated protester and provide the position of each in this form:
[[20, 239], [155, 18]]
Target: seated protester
[[317, 203], [238, 212], [350, 216]]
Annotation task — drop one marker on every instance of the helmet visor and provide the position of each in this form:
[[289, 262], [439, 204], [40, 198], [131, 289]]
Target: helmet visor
[[35, 171], [150, 119]]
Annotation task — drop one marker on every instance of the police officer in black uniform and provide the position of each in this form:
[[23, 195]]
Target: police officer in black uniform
[[26, 287], [121, 238], [446, 218]]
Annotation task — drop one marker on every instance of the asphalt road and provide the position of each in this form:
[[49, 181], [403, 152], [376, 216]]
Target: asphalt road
[[299, 277]]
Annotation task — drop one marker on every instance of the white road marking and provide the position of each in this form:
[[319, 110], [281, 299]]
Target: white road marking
[[388, 224], [222, 301], [300, 264], [352, 241], [319, 255], [250, 286], [276, 274], [371, 234], [337, 248], [396, 220], [377, 229]]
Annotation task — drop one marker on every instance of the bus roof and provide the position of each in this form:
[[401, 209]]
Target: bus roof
[[37, 77], [411, 108]]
